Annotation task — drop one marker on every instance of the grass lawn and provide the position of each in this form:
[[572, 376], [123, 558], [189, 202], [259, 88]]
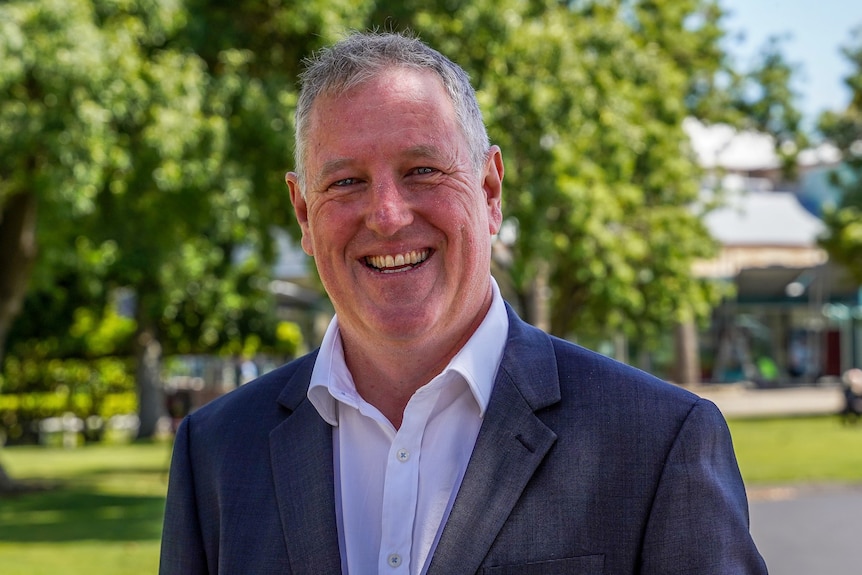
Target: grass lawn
[[798, 450], [101, 515]]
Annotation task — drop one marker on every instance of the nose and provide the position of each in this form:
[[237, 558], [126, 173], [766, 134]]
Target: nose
[[389, 211]]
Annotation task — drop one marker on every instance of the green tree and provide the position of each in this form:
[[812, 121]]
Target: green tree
[[101, 119], [843, 238], [54, 123], [764, 100], [156, 169]]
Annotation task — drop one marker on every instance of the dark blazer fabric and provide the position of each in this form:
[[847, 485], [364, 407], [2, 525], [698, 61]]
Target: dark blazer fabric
[[582, 466]]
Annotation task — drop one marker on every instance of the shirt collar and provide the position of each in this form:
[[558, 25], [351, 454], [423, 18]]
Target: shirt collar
[[477, 362]]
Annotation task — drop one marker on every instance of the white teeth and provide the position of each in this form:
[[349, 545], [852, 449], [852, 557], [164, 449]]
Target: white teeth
[[398, 261]]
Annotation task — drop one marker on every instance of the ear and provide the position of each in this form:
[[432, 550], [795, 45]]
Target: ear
[[492, 185], [300, 208]]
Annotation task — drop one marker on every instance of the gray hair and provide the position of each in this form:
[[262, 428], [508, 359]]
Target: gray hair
[[360, 57]]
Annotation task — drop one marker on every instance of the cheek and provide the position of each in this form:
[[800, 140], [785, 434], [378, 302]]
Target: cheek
[[329, 232]]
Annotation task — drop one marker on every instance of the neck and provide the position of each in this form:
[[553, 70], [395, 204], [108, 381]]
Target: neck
[[388, 380], [388, 376]]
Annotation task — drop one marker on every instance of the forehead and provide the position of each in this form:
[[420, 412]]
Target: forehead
[[397, 91]]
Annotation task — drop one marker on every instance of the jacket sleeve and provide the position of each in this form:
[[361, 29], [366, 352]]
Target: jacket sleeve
[[182, 551], [699, 521]]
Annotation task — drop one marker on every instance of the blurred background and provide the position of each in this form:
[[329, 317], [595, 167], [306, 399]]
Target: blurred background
[[683, 192]]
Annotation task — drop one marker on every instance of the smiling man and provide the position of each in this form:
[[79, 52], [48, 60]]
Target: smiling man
[[433, 431]]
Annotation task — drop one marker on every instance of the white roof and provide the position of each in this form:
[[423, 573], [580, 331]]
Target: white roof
[[722, 146], [824, 153], [764, 219]]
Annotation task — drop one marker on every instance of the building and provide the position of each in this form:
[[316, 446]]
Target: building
[[795, 317]]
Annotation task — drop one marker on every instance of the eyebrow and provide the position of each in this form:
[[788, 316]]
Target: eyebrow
[[424, 151], [332, 166]]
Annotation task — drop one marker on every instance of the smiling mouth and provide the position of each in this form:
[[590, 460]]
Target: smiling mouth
[[398, 263]]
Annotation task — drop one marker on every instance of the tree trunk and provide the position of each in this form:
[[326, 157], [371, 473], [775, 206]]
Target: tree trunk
[[148, 376], [538, 298], [687, 369], [17, 254]]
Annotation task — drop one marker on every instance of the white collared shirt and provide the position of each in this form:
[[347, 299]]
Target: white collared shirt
[[394, 488]]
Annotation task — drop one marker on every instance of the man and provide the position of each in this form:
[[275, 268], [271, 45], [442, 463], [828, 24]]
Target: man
[[433, 431]]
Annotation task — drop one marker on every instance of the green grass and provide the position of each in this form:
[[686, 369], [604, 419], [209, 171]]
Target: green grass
[[101, 512], [798, 450]]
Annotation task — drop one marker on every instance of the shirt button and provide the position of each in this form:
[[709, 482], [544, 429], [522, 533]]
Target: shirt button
[[394, 560], [402, 455]]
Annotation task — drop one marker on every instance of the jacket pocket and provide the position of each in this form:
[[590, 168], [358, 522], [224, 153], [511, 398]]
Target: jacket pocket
[[584, 565]]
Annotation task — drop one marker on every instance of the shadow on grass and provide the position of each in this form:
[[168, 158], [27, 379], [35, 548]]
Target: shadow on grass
[[72, 512]]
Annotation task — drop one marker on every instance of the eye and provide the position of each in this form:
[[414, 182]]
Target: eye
[[344, 182], [424, 171]]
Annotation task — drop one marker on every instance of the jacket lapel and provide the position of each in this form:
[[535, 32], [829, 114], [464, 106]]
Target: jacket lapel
[[302, 464], [511, 444]]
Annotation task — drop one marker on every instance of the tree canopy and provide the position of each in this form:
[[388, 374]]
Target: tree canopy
[[150, 166], [843, 239]]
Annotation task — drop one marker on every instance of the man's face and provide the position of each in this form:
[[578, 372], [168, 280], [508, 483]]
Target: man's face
[[397, 218]]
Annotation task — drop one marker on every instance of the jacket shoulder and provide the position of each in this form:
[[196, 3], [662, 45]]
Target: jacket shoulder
[[617, 385]]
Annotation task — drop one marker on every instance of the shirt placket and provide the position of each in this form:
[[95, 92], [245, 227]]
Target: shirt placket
[[401, 486]]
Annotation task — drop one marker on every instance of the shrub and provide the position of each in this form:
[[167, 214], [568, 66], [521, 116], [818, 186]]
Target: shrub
[[34, 389], [21, 413]]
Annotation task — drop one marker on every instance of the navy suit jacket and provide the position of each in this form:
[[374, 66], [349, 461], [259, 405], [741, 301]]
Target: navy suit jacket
[[582, 466]]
